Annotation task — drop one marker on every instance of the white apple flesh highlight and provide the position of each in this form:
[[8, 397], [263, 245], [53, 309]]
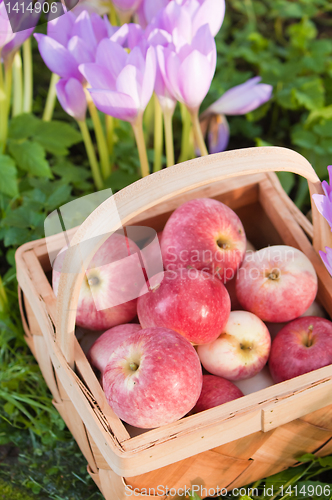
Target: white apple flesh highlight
[[242, 349], [153, 378], [277, 283]]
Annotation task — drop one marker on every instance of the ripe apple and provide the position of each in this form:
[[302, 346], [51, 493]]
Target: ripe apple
[[153, 378], [204, 234], [104, 346], [276, 283], [113, 281], [191, 302], [303, 345], [240, 351], [216, 391]]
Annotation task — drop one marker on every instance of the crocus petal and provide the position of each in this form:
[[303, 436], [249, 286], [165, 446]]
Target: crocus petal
[[97, 76], [127, 5], [149, 78], [99, 27], [126, 83], [112, 56], [218, 134], [324, 207], [243, 98], [151, 8], [60, 28], [72, 98], [159, 37], [211, 12], [195, 79], [83, 28], [327, 258], [128, 35], [80, 50], [328, 188], [171, 66], [135, 58], [57, 58], [6, 33], [12, 47], [174, 17], [115, 104]]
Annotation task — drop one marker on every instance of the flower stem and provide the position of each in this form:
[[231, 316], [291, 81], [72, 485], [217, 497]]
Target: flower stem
[[51, 98], [91, 155], [168, 115], [17, 85], [185, 139], [3, 111], [110, 133], [113, 16], [139, 136], [8, 84], [198, 133], [158, 135], [28, 77], [100, 136]]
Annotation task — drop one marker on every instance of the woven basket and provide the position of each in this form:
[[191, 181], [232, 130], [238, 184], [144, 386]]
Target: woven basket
[[225, 447]]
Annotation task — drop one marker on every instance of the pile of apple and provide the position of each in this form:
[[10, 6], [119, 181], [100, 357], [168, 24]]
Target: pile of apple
[[151, 370]]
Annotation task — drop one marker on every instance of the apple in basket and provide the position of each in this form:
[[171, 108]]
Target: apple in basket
[[303, 345], [153, 378], [216, 391], [113, 281], [204, 234], [242, 349], [191, 302], [276, 283], [101, 350]]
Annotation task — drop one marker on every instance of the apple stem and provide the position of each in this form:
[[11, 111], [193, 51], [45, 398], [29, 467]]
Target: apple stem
[[133, 366], [310, 328]]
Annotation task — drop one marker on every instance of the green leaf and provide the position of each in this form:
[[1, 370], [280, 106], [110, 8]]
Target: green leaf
[[311, 94], [8, 177], [304, 138], [16, 236], [56, 136], [325, 112], [30, 157], [22, 126], [120, 179], [60, 196], [194, 496]]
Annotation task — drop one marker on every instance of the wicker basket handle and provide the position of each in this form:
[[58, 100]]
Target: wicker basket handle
[[161, 186]]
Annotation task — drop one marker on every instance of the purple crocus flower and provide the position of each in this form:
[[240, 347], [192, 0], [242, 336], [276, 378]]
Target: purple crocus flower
[[121, 84], [183, 18], [148, 10], [324, 202], [71, 41], [71, 96], [188, 72], [238, 100]]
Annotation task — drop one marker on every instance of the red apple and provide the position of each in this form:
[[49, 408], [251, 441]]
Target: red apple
[[105, 345], [153, 378], [204, 234], [276, 283], [191, 302], [231, 284], [303, 345], [216, 391], [113, 281], [240, 351]]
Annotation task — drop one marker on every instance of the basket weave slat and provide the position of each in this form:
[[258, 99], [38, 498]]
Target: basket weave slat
[[228, 446]]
